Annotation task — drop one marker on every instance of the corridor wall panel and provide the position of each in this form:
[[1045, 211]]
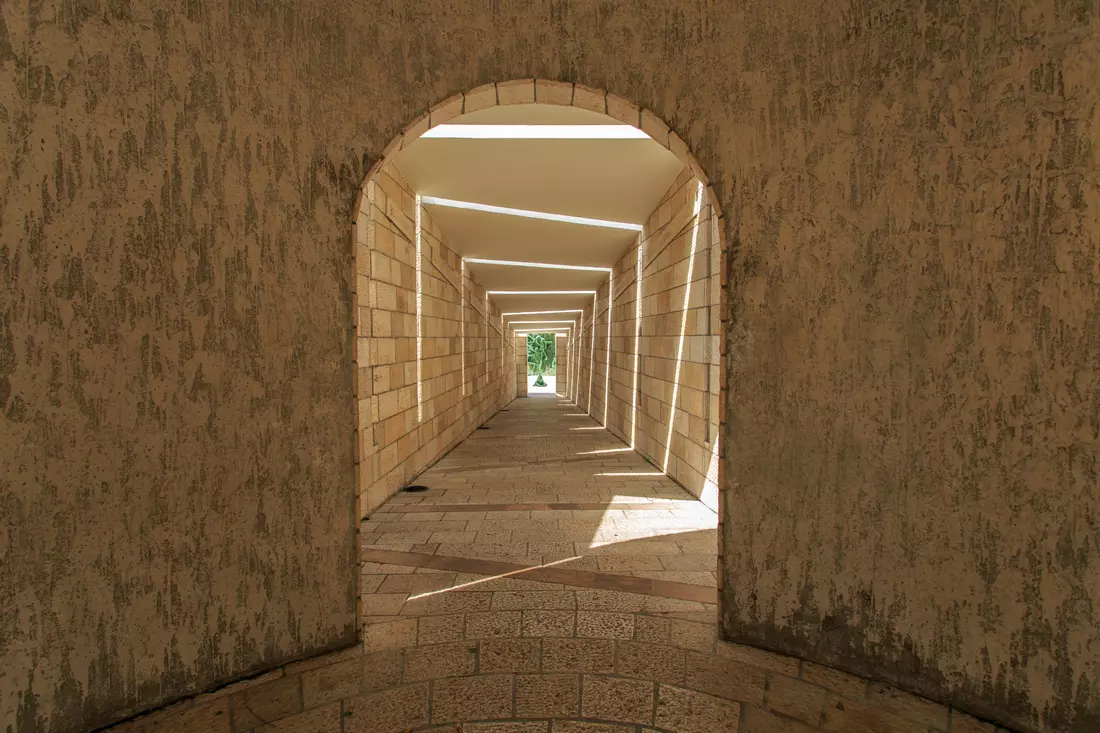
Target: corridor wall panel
[[402, 430]]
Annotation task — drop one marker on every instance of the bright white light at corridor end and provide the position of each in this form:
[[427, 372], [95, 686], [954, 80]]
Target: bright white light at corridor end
[[536, 132], [546, 265], [531, 214]]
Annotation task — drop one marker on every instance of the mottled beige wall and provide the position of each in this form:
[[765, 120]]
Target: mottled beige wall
[[401, 431], [910, 200]]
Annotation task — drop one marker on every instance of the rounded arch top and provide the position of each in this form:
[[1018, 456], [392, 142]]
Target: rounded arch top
[[550, 92]]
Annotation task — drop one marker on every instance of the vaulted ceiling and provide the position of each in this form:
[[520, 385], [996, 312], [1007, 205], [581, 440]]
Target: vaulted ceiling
[[617, 179]]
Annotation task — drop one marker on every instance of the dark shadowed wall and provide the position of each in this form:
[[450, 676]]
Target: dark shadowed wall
[[910, 197]]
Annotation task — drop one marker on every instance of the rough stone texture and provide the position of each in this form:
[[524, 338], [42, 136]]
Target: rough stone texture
[[911, 428], [910, 417]]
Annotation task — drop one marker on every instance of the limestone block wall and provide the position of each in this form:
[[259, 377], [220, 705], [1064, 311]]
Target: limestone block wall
[[563, 363], [584, 346], [520, 360], [662, 394], [401, 430]]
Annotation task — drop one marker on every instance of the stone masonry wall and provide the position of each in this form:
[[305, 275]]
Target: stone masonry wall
[[520, 362], [674, 351], [396, 437], [563, 361], [908, 197]]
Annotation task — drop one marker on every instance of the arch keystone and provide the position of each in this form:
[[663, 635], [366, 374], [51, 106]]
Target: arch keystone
[[519, 91], [481, 97], [553, 92]]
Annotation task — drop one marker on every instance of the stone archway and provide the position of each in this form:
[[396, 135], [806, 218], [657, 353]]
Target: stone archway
[[696, 464]]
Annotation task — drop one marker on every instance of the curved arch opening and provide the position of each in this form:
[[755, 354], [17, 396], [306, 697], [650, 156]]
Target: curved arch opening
[[540, 198]]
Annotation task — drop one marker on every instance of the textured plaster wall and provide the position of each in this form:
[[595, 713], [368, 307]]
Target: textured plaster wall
[[909, 194], [396, 437]]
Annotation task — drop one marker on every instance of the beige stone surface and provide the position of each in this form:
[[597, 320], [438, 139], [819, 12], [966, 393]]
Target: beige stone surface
[[472, 682], [487, 697], [622, 700], [547, 695], [909, 196], [685, 711], [389, 711]]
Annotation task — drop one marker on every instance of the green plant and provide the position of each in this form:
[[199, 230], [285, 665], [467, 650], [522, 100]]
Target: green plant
[[541, 355]]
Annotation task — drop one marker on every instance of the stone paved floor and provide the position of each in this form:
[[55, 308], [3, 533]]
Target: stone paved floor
[[548, 581], [545, 497]]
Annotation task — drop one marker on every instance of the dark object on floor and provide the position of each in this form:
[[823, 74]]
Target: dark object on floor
[[482, 427], [415, 488]]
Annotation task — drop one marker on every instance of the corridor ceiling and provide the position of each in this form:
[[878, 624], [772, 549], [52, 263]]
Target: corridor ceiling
[[618, 180]]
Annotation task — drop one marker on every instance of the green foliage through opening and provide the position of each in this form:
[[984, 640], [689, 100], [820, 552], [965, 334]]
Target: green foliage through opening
[[541, 356]]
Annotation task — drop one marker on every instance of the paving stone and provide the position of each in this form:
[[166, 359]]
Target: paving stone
[[726, 678], [570, 726], [538, 727], [652, 629], [382, 670], [493, 624], [619, 700], [331, 682], [389, 635], [530, 600], [603, 625], [510, 655], [687, 711], [690, 635], [548, 623], [440, 660], [485, 697], [547, 695], [578, 655], [326, 719], [441, 629], [649, 662], [758, 720], [389, 711], [273, 700]]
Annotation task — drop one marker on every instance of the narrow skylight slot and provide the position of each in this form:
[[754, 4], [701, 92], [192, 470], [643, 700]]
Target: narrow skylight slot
[[545, 265], [543, 313], [541, 292], [535, 132], [542, 321], [546, 216]]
